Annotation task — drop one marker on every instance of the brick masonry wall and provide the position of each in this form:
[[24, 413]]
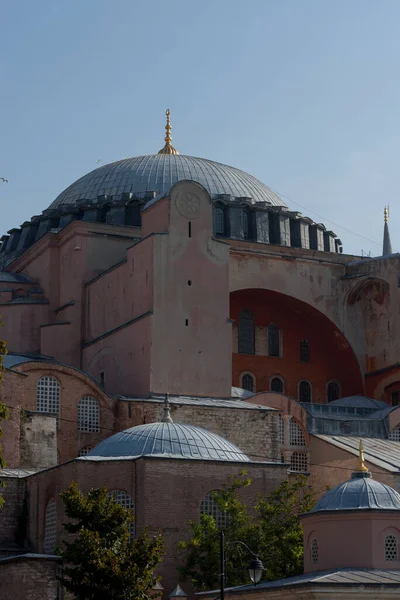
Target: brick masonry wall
[[32, 578], [10, 514], [167, 494]]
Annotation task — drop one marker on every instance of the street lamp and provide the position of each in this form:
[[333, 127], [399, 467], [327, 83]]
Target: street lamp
[[255, 567]]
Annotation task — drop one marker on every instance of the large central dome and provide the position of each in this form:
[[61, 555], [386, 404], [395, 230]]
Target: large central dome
[[158, 173]]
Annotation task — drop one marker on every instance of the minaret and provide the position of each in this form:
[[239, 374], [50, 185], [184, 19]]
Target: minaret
[[168, 148], [387, 244]]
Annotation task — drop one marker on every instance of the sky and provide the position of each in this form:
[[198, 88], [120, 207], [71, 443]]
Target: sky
[[302, 94]]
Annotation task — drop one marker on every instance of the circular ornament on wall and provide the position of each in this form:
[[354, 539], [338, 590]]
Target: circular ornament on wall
[[188, 204]]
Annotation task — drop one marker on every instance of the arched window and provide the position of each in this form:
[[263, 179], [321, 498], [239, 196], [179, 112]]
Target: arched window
[[394, 435], [296, 435], [88, 415], [246, 335], [273, 340], [248, 382], [281, 429], [304, 391], [314, 551], [210, 507], [304, 351], [276, 385], [48, 395], [332, 391], [391, 548], [126, 501], [50, 528], [299, 462], [219, 221], [84, 451]]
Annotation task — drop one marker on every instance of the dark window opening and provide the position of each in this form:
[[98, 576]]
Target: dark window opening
[[190, 282], [304, 351], [219, 221], [186, 322], [333, 391], [246, 332], [395, 398], [276, 385], [190, 229], [248, 383], [102, 378], [304, 391], [273, 340]]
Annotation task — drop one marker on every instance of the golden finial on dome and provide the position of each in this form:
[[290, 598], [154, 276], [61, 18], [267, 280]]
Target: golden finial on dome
[[386, 214], [168, 148], [361, 465]]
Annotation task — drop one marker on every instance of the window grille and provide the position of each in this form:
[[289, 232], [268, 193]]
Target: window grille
[[248, 383], [304, 351], [276, 385], [304, 391], [246, 332], [50, 528], [219, 221], [273, 340], [85, 450], [281, 429], [394, 435], [314, 551], [209, 506], [333, 391], [48, 395], [299, 462], [296, 435], [126, 501], [390, 548], [88, 415]]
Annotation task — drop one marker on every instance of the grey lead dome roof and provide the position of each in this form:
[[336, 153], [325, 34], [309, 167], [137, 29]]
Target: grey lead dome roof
[[169, 440], [158, 173], [362, 493]]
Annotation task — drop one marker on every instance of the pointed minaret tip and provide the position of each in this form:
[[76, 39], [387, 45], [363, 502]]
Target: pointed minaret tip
[[387, 244], [361, 464], [168, 148]]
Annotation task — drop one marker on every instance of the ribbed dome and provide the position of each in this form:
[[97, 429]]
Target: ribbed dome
[[169, 440], [360, 493], [158, 173]]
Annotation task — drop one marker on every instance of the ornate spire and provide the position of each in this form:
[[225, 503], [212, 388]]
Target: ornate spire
[[387, 244], [167, 414], [361, 465], [168, 148]]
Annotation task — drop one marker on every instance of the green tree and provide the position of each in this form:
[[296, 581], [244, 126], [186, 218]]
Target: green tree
[[270, 527], [3, 408], [102, 561]]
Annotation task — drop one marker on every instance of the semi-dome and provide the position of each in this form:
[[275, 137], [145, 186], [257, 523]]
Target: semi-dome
[[158, 173], [167, 439], [361, 492]]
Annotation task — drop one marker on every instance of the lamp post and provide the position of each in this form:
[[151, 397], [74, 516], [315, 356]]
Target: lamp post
[[255, 567]]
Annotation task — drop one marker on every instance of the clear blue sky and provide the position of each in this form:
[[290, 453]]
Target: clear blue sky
[[303, 94]]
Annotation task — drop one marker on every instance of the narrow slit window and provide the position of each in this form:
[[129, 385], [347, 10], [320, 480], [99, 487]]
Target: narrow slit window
[[304, 351], [190, 229]]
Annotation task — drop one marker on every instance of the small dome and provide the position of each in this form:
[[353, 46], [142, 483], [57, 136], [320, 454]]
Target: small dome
[[158, 173], [169, 440], [360, 493]]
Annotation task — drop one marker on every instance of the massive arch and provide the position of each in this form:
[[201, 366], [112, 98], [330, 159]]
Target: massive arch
[[331, 356]]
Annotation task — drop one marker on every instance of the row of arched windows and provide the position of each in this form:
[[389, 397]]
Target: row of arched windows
[[48, 400], [276, 384], [50, 520]]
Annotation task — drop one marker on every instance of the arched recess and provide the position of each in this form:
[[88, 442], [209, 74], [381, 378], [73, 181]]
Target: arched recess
[[367, 320], [331, 355]]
